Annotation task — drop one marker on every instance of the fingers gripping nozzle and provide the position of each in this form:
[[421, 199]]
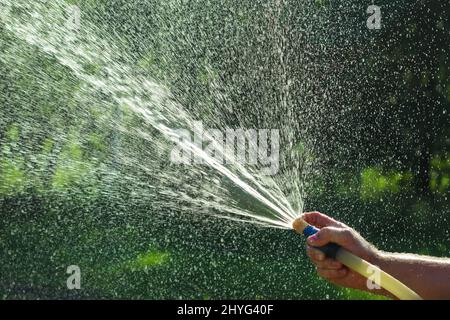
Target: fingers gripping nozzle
[[300, 226]]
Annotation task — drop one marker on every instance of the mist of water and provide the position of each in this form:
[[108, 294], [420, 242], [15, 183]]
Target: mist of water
[[131, 95]]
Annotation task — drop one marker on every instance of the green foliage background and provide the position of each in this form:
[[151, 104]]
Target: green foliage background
[[383, 159]]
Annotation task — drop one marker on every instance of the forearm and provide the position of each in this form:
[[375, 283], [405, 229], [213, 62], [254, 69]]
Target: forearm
[[427, 276]]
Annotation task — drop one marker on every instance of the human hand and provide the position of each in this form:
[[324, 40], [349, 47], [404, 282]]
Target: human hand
[[341, 234]]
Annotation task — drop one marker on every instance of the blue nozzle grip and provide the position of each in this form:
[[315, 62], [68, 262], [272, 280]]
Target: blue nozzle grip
[[330, 250]]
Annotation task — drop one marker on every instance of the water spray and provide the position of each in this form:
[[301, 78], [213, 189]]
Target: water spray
[[150, 101], [364, 268]]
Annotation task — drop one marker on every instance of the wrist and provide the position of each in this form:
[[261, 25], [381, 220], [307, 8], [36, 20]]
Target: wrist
[[379, 259], [373, 255]]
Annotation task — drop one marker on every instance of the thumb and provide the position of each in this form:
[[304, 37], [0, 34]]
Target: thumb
[[341, 236]]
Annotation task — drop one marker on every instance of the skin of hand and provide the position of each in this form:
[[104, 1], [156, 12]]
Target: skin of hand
[[337, 232]]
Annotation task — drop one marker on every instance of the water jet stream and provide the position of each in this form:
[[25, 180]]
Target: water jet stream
[[147, 99]]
